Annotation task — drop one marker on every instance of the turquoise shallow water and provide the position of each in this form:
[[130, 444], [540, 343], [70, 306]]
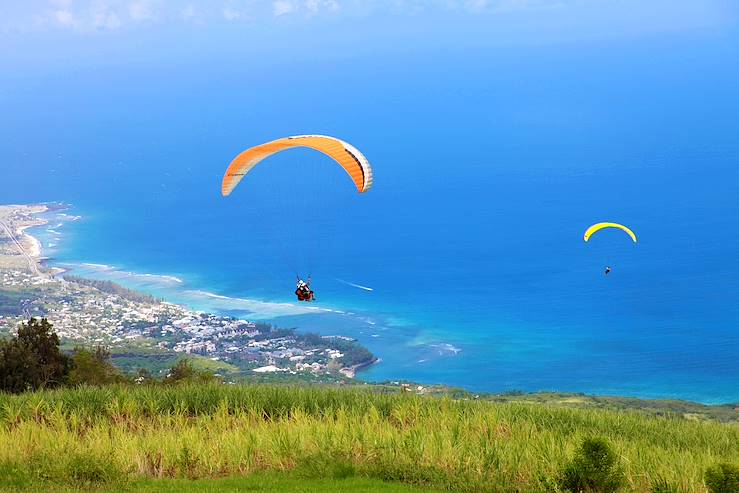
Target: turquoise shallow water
[[474, 252]]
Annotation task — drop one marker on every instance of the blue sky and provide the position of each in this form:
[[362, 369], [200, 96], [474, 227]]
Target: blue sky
[[555, 60], [45, 32], [97, 16]]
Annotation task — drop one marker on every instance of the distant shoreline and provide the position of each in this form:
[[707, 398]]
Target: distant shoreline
[[25, 245], [31, 249], [34, 243]]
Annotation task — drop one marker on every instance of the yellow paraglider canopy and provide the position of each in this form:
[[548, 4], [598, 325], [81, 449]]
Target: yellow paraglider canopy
[[346, 155], [597, 227]]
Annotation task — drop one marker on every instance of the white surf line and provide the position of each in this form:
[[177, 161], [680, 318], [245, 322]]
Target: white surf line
[[366, 288]]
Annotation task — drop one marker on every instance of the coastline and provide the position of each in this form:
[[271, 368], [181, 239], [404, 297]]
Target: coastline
[[238, 304], [35, 248], [21, 246], [196, 331], [351, 371]]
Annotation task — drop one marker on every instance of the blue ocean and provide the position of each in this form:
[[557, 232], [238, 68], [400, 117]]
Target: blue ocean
[[489, 165]]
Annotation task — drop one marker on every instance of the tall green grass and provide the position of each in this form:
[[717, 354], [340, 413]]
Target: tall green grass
[[94, 435]]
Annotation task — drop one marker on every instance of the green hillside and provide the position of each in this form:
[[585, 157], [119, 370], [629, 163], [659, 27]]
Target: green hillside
[[108, 436]]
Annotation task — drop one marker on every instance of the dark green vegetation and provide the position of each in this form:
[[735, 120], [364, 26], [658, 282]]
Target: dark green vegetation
[[595, 467], [11, 302], [185, 371], [257, 483], [353, 353], [21, 301], [723, 478], [110, 287], [31, 359], [101, 436], [92, 368], [726, 413], [158, 362]]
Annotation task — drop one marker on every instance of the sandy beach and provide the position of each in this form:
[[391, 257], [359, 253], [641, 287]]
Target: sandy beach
[[31, 245], [17, 247]]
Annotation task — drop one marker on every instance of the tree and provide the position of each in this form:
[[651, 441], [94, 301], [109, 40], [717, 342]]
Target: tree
[[93, 368], [32, 360], [184, 371]]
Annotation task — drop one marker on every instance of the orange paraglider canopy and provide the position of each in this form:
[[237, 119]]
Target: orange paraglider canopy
[[346, 155]]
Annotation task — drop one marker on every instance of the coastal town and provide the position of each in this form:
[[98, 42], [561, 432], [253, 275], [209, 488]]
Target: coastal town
[[93, 312]]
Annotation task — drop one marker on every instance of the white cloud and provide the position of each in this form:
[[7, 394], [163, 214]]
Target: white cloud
[[103, 17], [62, 4], [65, 18], [242, 10], [106, 21], [191, 13], [140, 11], [89, 16], [231, 14], [314, 6], [109, 15], [476, 5], [283, 7]]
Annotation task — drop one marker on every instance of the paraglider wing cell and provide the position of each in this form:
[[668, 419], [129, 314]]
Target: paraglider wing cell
[[597, 227], [346, 155]]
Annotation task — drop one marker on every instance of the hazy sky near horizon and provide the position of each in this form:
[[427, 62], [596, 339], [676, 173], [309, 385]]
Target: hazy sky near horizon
[[45, 33]]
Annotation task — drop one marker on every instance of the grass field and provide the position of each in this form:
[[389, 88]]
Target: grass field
[[100, 437], [256, 483]]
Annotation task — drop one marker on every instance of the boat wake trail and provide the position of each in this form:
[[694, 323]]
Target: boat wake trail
[[359, 286]]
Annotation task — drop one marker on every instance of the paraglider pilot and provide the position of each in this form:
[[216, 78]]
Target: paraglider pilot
[[608, 270], [303, 291]]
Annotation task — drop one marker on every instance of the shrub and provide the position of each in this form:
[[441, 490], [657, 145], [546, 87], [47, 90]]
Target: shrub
[[594, 469], [722, 478], [184, 371], [93, 368]]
